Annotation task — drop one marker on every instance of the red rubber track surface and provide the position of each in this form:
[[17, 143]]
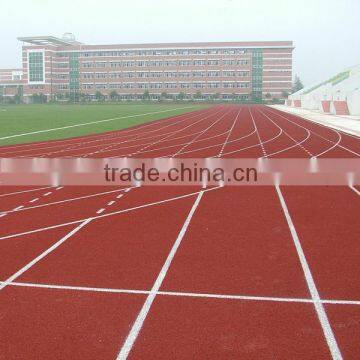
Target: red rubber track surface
[[184, 272]]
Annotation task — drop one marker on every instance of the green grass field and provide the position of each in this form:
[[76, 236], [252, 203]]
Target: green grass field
[[21, 119]]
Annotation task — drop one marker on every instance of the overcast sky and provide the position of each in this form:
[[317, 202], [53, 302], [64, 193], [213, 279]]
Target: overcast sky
[[326, 33]]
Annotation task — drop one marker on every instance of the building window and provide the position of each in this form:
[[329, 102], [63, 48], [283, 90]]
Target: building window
[[36, 66], [170, 85], [213, 73]]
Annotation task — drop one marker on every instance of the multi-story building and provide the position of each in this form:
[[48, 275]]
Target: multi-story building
[[64, 68], [11, 82]]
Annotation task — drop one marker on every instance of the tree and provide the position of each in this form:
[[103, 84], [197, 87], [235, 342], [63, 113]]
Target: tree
[[98, 95], [146, 95], [82, 97], [197, 95], [17, 99], [268, 96], [297, 85], [38, 98], [114, 95], [181, 96], [284, 94], [216, 96]]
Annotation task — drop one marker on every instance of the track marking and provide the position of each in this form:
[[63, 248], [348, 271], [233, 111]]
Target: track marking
[[257, 132], [77, 144], [201, 133], [25, 191], [106, 215], [354, 189], [18, 208], [320, 124], [175, 132], [110, 203], [320, 136], [297, 143], [320, 310], [62, 201], [48, 193], [169, 146], [140, 137], [182, 294], [229, 134], [100, 211], [135, 330], [120, 196], [92, 122], [43, 254]]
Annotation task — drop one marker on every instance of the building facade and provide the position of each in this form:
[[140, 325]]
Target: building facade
[[64, 68], [11, 82]]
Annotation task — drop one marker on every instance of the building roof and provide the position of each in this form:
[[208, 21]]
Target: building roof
[[245, 44], [47, 40]]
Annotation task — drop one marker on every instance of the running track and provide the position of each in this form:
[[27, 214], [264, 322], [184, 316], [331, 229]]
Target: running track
[[184, 272]]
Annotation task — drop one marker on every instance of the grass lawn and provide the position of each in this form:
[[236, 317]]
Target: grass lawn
[[20, 119]]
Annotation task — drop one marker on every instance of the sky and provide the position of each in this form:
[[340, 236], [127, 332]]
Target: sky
[[326, 33]]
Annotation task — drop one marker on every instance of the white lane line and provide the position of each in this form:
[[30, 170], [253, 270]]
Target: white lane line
[[229, 134], [134, 332], [354, 189], [63, 201], [43, 254], [255, 145], [320, 136], [77, 144], [120, 196], [127, 189], [78, 288], [33, 200], [168, 146], [257, 132], [137, 138], [48, 193], [91, 122], [25, 191], [108, 214], [18, 208], [320, 310], [171, 134], [199, 135], [183, 294], [297, 143], [100, 211], [58, 188], [1, 215], [110, 203]]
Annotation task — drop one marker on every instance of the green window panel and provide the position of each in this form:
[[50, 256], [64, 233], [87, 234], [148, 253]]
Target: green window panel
[[36, 66], [257, 74], [74, 85]]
